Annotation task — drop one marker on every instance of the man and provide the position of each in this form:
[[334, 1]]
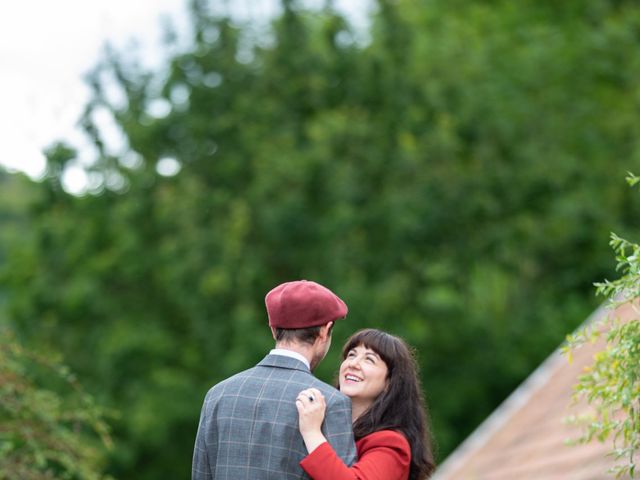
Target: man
[[249, 422]]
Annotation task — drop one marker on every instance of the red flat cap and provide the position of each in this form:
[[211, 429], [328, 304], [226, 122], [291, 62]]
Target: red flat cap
[[303, 304]]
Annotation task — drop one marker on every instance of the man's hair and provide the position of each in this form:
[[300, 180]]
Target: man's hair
[[299, 335]]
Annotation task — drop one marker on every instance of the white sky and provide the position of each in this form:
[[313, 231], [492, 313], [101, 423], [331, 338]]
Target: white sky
[[45, 49], [47, 46]]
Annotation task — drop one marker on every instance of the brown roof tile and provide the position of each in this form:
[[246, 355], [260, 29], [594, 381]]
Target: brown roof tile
[[526, 437]]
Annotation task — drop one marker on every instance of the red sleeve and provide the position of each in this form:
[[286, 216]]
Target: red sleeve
[[383, 455]]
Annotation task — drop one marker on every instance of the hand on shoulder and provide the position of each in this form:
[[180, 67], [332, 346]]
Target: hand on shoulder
[[311, 407]]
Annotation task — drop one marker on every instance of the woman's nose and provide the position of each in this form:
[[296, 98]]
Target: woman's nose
[[353, 361]]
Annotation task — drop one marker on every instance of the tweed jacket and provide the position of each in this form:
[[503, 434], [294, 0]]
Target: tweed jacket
[[249, 424]]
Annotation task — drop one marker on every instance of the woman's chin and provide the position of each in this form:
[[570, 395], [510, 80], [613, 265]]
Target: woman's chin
[[348, 390]]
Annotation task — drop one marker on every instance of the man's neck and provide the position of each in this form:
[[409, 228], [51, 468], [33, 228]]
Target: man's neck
[[303, 350]]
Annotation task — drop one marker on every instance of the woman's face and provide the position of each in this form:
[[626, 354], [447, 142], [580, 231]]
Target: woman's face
[[363, 375]]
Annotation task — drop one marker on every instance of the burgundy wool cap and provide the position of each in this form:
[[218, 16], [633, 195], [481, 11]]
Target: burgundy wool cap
[[303, 304]]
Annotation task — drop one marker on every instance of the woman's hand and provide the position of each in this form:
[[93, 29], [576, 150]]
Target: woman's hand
[[311, 409]]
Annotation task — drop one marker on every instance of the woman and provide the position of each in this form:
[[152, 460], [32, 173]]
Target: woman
[[379, 374]]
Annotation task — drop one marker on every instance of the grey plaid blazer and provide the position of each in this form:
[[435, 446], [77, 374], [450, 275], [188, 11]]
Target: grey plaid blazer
[[249, 424]]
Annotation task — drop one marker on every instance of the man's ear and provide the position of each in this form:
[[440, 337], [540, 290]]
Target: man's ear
[[273, 332], [325, 331]]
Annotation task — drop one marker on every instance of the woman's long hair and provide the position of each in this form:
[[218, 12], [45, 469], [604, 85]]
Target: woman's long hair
[[401, 406]]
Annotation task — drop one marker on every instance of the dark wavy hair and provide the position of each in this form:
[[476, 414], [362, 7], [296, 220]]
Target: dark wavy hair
[[401, 406]]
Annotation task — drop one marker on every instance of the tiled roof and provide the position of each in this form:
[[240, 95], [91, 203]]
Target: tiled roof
[[525, 438]]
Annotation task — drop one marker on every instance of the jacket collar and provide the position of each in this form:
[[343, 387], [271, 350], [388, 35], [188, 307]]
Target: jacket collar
[[290, 353], [280, 361]]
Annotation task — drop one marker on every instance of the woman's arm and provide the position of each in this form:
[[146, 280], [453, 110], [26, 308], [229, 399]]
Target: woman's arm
[[384, 455]]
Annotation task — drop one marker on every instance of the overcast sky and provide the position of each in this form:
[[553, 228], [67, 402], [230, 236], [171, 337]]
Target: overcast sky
[[47, 46], [45, 49]]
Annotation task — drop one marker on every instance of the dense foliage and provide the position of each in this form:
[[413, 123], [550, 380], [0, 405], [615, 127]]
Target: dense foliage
[[452, 176], [50, 428], [612, 383]]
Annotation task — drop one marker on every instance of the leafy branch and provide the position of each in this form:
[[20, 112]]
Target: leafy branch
[[612, 383], [50, 427]]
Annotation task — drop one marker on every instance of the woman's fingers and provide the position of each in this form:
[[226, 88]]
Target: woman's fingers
[[303, 398], [310, 395], [315, 395], [310, 401]]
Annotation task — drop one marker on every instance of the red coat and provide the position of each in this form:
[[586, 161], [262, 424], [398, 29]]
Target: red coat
[[383, 455]]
